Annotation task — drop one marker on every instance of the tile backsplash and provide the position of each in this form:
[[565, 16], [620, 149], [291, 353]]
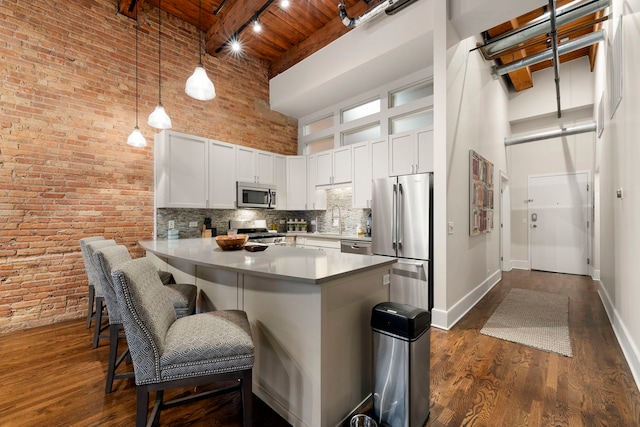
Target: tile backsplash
[[338, 204]]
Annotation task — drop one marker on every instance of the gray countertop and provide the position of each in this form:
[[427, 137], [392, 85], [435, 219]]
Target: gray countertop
[[288, 263]]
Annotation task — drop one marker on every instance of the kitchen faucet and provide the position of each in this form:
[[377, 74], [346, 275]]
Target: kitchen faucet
[[339, 217]]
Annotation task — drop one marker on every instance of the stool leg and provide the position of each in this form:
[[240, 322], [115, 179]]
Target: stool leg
[[142, 405], [114, 331], [96, 331], [247, 398], [90, 304]]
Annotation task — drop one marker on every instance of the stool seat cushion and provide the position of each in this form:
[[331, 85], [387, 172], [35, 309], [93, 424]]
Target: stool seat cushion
[[207, 343], [166, 277]]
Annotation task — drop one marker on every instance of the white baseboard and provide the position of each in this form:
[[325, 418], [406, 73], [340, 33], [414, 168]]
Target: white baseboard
[[629, 347], [520, 264], [595, 275], [447, 319]]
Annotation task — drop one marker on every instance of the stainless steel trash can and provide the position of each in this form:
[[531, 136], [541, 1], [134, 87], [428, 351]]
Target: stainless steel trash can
[[401, 364]]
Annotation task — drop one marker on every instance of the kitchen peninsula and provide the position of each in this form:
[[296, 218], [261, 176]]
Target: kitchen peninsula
[[309, 311]]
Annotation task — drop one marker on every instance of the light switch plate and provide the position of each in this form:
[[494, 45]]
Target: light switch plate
[[450, 227], [193, 223], [171, 224], [386, 279]]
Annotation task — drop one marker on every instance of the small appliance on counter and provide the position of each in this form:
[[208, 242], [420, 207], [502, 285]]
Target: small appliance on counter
[[257, 231], [208, 230]]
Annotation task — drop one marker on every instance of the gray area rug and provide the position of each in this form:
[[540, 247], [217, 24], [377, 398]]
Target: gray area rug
[[536, 319]]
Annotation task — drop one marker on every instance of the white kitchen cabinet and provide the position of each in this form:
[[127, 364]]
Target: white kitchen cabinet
[[334, 166], [361, 184], [296, 187], [255, 165], [222, 175], [379, 159], [411, 152], [181, 169], [309, 242], [316, 198], [280, 180]]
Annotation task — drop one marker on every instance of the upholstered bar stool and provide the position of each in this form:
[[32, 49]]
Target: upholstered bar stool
[[91, 300], [182, 296], [169, 353], [94, 275]]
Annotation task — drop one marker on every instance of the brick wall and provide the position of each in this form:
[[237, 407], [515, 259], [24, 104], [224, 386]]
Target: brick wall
[[67, 105]]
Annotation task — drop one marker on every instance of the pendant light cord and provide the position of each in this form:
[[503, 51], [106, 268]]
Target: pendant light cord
[[159, 53], [137, 25], [200, 34]]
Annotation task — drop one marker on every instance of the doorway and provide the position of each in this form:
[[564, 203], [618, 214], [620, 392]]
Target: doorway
[[505, 223], [558, 217]]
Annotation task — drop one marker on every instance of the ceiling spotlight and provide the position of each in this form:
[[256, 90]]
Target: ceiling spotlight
[[236, 46], [284, 4], [257, 26]]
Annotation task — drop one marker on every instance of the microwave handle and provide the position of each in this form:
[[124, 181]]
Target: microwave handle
[[270, 198]]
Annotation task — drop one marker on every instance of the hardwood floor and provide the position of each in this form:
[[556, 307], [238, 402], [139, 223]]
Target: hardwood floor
[[51, 376]]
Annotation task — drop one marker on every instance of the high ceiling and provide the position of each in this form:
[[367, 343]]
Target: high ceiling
[[531, 35], [287, 36]]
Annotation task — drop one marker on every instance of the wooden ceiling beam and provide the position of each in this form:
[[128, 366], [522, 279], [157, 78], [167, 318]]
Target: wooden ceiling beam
[[230, 19], [130, 8]]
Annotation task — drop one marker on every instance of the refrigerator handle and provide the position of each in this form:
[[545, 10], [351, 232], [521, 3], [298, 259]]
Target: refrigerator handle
[[395, 216], [400, 216]]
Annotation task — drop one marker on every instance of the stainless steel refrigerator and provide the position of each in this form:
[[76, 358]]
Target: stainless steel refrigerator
[[402, 227]]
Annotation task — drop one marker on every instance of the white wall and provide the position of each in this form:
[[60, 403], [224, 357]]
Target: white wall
[[476, 118], [618, 156]]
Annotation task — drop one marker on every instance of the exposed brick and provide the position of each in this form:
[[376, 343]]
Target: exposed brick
[[67, 105]]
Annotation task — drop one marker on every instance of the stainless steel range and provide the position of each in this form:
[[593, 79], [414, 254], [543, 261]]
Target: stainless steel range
[[257, 231]]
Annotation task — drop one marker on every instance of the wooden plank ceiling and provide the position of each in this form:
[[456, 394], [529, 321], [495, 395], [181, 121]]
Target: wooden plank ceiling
[[522, 79], [287, 37]]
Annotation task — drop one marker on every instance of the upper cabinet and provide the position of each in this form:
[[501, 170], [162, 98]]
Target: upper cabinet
[[361, 183], [296, 187], [222, 175], [280, 181], [411, 152], [333, 166], [316, 199], [181, 167], [255, 166]]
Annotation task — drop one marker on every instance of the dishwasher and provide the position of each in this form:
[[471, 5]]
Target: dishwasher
[[362, 247]]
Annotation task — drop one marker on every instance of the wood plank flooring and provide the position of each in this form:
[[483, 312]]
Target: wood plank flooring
[[51, 376]]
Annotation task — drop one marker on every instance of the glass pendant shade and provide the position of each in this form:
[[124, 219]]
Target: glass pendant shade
[[199, 86], [159, 118], [136, 139]]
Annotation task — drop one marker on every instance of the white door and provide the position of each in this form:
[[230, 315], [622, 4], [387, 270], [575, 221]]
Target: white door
[[558, 222]]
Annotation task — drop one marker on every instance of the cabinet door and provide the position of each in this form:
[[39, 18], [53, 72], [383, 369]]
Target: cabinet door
[[402, 159], [342, 165], [324, 168], [361, 162], [181, 170], [316, 199], [296, 183], [379, 159], [280, 181], [425, 150], [222, 175], [245, 164], [264, 167]]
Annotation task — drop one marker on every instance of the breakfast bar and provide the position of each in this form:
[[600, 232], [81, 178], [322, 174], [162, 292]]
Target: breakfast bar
[[309, 311]]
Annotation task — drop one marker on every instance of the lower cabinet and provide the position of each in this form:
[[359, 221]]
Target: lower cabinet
[[318, 243]]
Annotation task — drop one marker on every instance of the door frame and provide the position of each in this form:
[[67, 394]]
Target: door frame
[[505, 223], [589, 208]]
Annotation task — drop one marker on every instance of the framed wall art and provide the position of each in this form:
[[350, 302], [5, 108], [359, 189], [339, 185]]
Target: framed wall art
[[480, 194]]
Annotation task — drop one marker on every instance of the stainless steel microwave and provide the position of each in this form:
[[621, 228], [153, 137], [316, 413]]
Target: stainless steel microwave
[[254, 195]]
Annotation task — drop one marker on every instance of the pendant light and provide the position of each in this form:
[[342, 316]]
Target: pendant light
[[136, 138], [199, 86], [159, 118]]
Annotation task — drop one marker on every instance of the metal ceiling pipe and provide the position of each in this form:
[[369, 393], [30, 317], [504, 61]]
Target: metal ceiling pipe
[[556, 56], [354, 22], [590, 127], [542, 26], [567, 47]]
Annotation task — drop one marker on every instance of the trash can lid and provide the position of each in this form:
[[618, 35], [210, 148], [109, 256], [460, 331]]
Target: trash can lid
[[402, 320]]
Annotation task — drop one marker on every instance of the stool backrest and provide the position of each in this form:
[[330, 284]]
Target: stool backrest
[[147, 313], [83, 249], [92, 269], [106, 260]]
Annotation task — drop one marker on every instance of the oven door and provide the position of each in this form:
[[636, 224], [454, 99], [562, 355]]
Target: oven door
[[251, 195]]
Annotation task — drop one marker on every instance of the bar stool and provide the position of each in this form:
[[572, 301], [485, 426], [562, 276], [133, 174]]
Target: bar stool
[[91, 300]]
